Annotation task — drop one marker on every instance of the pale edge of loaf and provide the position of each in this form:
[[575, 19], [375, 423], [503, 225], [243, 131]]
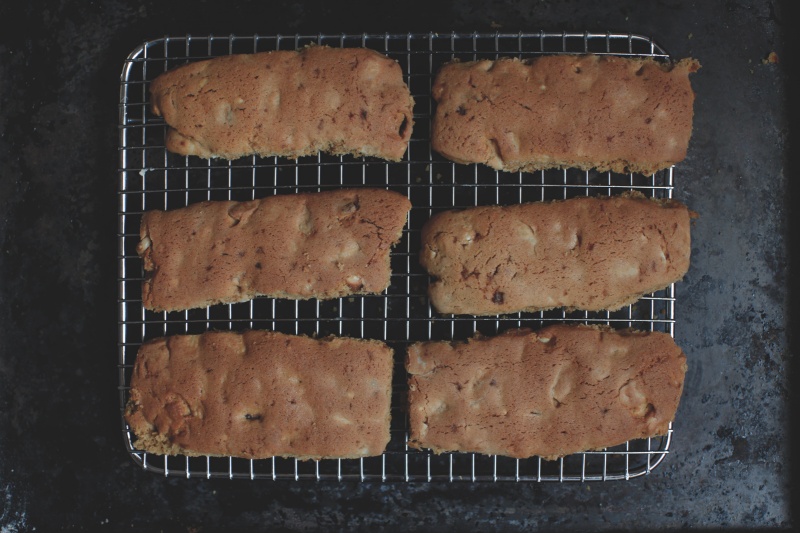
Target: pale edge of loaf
[[149, 440], [619, 304], [641, 422]]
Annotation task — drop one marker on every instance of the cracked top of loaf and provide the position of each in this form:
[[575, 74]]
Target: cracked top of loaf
[[313, 245], [287, 103], [256, 395], [561, 390], [584, 111], [588, 253]]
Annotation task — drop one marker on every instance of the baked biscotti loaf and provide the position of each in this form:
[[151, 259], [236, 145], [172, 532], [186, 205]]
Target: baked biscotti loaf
[[287, 103], [562, 390], [261, 394], [316, 245], [590, 253], [589, 111]]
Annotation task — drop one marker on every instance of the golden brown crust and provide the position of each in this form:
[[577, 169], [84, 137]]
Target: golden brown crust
[[590, 111], [562, 390], [316, 245], [585, 253], [261, 394], [287, 103]]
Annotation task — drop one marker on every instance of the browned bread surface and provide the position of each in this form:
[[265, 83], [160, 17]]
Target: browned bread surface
[[562, 390], [315, 245], [261, 394], [589, 111], [287, 103], [584, 253]]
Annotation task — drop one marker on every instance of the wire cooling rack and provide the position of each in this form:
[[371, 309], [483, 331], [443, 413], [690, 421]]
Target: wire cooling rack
[[152, 178]]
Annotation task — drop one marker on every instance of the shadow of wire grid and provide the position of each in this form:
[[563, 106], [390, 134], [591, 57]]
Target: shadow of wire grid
[[152, 178]]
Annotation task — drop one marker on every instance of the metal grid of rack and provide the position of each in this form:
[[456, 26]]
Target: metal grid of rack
[[152, 178]]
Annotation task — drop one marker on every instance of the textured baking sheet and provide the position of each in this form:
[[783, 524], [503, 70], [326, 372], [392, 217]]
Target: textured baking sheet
[[152, 178]]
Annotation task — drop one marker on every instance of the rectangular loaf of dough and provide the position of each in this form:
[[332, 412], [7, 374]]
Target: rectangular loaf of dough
[[562, 390], [315, 245], [588, 111], [590, 253], [261, 394], [287, 103]]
